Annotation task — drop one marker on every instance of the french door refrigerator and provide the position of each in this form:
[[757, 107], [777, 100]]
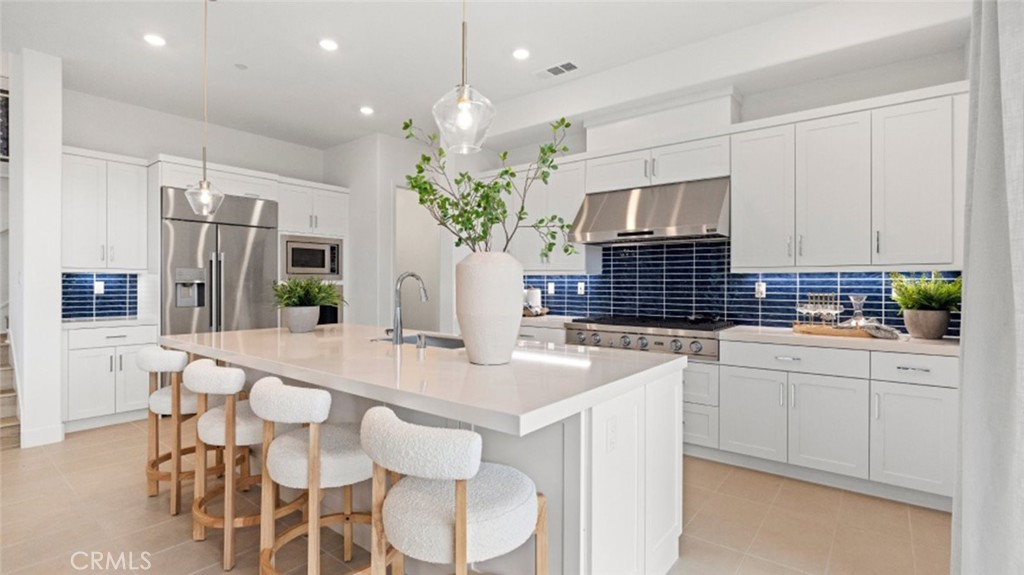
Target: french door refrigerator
[[218, 271]]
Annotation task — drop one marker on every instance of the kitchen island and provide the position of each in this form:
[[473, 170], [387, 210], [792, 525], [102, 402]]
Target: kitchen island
[[599, 430]]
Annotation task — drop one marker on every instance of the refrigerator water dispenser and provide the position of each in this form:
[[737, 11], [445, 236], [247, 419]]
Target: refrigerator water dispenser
[[189, 287]]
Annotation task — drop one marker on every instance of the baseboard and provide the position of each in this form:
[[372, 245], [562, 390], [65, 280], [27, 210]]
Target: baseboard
[[902, 494], [34, 437], [105, 420]]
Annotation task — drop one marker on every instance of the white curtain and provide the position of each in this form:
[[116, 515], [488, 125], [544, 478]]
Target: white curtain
[[988, 521]]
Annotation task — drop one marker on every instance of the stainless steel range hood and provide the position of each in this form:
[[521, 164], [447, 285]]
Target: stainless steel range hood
[[685, 211]]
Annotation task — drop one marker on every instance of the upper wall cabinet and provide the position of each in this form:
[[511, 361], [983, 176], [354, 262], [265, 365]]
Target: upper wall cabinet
[[310, 210], [833, 191], [912, 183], [103, 214], [182, 176], [697, 160], [763, 191]]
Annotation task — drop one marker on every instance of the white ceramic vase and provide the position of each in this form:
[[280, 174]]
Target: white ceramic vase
[[489, 305], [301, 319]]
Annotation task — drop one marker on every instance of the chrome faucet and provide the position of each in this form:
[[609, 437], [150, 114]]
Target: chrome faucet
[[396, 332]]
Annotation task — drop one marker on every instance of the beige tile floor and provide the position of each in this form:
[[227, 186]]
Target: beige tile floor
[[88, 494]]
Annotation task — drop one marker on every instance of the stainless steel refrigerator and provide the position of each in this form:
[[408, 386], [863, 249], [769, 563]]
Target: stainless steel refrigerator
[[218, 271]]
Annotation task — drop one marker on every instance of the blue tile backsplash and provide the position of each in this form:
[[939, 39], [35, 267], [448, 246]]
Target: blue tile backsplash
[[674, 280], [120, 297]]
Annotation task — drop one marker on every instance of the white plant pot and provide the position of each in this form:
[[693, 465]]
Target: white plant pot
[[301, 319], [489, 305]]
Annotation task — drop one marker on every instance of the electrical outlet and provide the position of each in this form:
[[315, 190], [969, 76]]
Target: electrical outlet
[[97, 288], [581, 288], [551, 288], [760, 290]]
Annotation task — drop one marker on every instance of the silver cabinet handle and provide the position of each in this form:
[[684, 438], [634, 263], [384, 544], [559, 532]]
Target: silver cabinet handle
[[800, 245], [120, 362], [111, 364], [527, 336], [878, 405], [782, 394], [646, 162], [654, 168], [878, 241], [917, 369], [786, 358], [310, 221], [789, 247], [103, 253], [316, 221], [792, 395], [122, 336]]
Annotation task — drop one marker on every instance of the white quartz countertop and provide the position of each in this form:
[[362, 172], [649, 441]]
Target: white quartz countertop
[[545, 383], [786, 336], [550, 321]]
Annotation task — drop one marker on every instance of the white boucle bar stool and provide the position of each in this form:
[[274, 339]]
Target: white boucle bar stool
[[449, 507], [313, 458], [179, 405], [230, 426]]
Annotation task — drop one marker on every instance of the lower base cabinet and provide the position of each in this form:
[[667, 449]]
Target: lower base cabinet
[[700, 425], [914, 436], [104, 381], [752, 412], [828, 423]]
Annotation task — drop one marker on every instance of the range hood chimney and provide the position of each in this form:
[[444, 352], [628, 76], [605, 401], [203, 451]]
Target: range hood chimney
[[694, 211]]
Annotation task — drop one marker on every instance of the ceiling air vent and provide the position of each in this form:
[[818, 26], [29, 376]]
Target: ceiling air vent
[[555, 71]]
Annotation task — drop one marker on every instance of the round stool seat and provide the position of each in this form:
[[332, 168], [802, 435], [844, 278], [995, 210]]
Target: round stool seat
[[160, 401], [248, 427], [159, 360], [342, 460], [501, 514]]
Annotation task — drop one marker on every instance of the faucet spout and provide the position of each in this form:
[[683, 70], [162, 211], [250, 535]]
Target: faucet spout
[[396, 333]]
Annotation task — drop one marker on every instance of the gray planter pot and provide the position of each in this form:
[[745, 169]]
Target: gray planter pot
[[925, 323], [301, 319]]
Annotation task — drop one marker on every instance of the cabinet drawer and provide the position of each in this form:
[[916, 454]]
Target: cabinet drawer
[[940, 371], [700, 383], [112, 336], [700, 425], [799, 359], [544, 334]]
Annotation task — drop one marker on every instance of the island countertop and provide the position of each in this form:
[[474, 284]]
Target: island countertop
[[544, 383]]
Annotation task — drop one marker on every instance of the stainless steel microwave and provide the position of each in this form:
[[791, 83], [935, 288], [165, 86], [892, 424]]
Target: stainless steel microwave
[[308, 256]]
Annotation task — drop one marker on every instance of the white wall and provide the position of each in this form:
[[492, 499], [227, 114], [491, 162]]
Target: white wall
[[107, 125], [417, 245], [35, 181]]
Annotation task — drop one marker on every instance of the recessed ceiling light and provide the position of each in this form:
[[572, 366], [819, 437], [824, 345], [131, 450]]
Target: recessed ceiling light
[[366, 111], [154, 40], [521, 54], [328, 44]]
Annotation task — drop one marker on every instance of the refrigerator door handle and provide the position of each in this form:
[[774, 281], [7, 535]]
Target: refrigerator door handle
[[220, 290], [213, 291]]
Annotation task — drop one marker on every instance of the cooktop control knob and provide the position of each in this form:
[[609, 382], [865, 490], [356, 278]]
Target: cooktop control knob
[[677, 345], [596, 338], [696, 346], [641, 342], [625, 341], [581, 337]]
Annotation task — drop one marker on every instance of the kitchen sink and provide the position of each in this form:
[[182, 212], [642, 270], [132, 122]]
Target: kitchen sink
[[423, 340]]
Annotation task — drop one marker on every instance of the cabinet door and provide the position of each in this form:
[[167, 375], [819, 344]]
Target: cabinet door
[[912, 183], [527, 243], [84, 213], [763, 198], [178, 176], [91, 374], [833, 191], [330, 213], [752, 412], [690, 161], [700, 425], [127, 233], [619, 172], [565, 191], [828, 423], [132, 384], [239, 185], [295, 209], [700, 383], [913, 436]]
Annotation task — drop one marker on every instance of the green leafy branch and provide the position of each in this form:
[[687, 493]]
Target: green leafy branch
[[487, 213]]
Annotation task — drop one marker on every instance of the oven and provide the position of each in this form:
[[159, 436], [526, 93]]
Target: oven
[[306, 256]]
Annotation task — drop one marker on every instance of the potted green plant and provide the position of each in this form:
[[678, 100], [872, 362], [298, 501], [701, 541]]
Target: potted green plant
[[300, 299], [484, 214], [926, 303]]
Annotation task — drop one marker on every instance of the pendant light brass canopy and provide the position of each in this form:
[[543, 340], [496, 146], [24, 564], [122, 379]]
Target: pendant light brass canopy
[[203, 198], [463, 115]]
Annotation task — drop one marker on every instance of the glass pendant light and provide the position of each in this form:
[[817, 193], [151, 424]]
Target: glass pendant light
[[463, 115], [203, 197]]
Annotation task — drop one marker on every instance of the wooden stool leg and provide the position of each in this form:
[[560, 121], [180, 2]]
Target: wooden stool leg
[[313, 537], [378, 541], [268, 499], [461, 566], [198, 530], [398, 564], [346, 530], [541, 536], [229, 483], [246, 469], [152, 483], [175, 443]]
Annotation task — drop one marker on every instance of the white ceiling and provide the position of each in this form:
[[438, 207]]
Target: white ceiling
[[397, 57]]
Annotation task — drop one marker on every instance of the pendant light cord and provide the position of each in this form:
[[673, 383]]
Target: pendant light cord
[[206, 58], [465, 33]]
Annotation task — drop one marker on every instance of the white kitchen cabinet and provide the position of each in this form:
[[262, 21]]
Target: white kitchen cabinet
[[697, 160], [833, 191], [752, 412], [131, 383], [619, 172], [310, 210], [700, 425], [763, 190], [914, 436], [103, 214], [912, 183], [102, 375], [91, 383], [526, 245], [663, 460], [828, 423], [700, 383], [231, 183]]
